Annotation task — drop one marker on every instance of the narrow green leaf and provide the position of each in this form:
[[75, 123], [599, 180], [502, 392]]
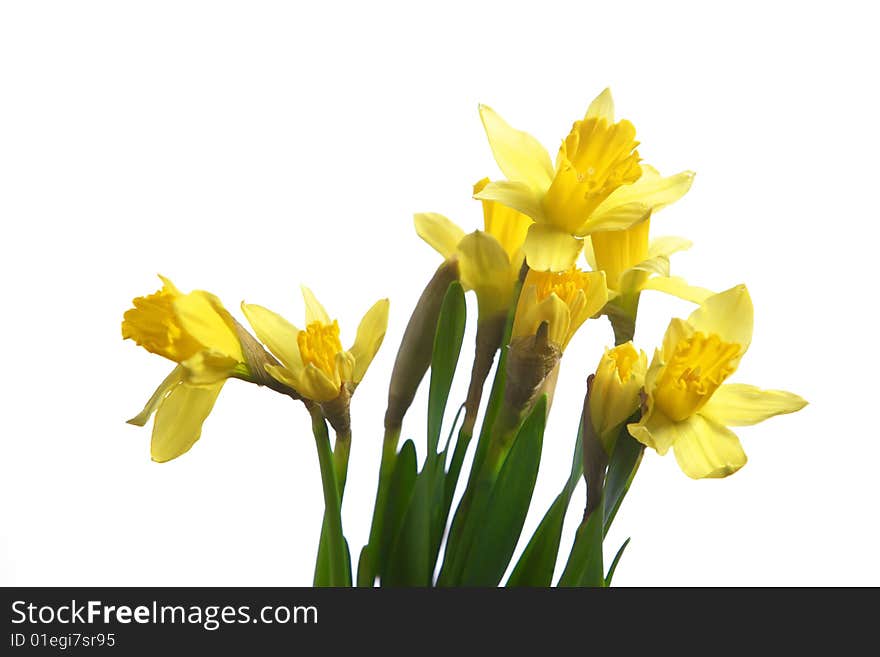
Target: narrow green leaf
[[538, 561], [498, 531], [536, 564], [614, 563], [409, 562], [622, 468], [496, 394], [447, 347], [442, 494], [400, 492], [584, 567]]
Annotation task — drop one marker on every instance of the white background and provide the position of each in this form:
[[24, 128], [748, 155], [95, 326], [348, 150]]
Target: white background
[[247, 147]]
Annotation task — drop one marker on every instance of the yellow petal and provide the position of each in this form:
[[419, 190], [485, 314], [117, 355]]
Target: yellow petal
[[667, 245], [655, 430], [438, 231], [317, 386], [515, 195], [634, 278], [370, 333], [729, 315], [556, 313], [587, 303], [704, 449], [208, 366], [590, 253], [345, 366], [519, 155], [549, 249], [170, 382], [290, 378], [506, 225], [651, 190], [678, 287], [617, 218], [485, 269], [314, 310], [179, 419], [279, 335], [739, 404], [203, 317], [602, 107]]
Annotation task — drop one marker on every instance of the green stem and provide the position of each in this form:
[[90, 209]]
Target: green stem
[[333, 519], [341, 451], [369, 565]]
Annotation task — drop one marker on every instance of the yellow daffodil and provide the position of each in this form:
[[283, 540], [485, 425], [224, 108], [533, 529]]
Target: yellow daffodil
[[313, 361], [584, 193], [489, 260], [689, 407], [614, 394], [197, 332], [565, 300]]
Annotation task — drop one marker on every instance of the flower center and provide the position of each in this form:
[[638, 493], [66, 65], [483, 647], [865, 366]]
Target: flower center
[[318, 346], [564, 284], [624, 357], [698, 366]]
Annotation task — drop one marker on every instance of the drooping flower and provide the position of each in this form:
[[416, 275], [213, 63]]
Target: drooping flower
[[689, 406], [584, 193], [195, 331], [313, 361]]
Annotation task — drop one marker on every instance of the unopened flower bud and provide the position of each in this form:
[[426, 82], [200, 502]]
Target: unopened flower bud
[[530, 361], [619, 377], [416, 346]]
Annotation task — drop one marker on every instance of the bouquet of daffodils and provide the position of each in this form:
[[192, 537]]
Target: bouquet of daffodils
[[533, 295]]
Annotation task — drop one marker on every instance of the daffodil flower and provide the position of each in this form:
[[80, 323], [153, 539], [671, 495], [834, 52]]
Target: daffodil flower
[[689, 407], [313, 361], [585, 193], [489, 260], [564, 300], [197, 332]]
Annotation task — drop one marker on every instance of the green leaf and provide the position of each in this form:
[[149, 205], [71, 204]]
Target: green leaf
[[400, 492], [497, 532], [584, 567], [409, 563], [447, 346], [614, 563], [538, 561], [622, 468]]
